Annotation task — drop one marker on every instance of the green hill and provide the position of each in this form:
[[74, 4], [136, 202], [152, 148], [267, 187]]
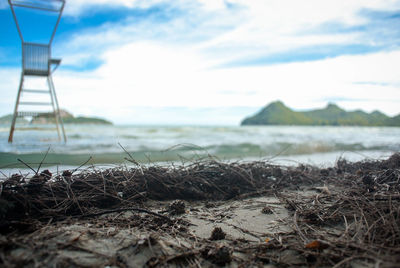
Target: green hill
[[48, 118], [276, 113], [86, 120], [68, 118]]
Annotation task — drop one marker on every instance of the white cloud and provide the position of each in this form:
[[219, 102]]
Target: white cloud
[[281, 25], [213, 4], [152, 75], [254, 28], [76, 7]]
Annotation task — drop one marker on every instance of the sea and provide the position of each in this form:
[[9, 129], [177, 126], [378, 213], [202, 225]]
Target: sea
[[104, 146]]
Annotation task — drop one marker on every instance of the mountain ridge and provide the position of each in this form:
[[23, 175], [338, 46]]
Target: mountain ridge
[[276, 113]]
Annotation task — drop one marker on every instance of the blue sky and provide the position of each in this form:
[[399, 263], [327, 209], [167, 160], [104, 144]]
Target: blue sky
[[212, 61]]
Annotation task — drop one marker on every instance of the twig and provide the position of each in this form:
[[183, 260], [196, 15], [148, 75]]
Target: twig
[[303, 237], [81, 165], [41, 162], [130, 159], [20, 160], [122, 210]]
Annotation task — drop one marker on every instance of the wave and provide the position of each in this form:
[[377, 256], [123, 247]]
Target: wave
[[183, 152], [182, 143]]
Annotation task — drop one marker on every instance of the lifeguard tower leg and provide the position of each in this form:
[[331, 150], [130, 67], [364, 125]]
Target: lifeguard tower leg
[[57, 110], [10, 137]]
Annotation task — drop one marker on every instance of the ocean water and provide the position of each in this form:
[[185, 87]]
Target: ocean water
[[155, 144]]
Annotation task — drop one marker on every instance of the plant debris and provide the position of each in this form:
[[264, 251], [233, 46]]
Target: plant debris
[[347, 215], [177, 207], [219, 254], [267, 210], [217, 234]]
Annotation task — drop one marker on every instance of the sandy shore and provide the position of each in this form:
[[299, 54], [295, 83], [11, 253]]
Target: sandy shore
[[346, 216]]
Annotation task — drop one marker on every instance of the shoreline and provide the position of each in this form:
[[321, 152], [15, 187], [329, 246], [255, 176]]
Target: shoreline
[[325, 159]]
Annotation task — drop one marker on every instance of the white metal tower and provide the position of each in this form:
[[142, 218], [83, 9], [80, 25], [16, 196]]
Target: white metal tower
[[37, 62]]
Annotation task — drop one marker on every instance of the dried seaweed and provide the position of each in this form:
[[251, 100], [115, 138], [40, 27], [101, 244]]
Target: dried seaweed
[[353, 217]]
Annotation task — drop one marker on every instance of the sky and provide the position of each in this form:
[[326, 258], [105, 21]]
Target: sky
[[210, 62]]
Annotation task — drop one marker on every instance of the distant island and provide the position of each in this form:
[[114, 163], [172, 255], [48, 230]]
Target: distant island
[[8, 118], [48, 118], [276, 113]]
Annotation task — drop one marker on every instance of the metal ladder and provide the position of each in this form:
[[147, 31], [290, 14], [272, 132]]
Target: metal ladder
[[53, 103]]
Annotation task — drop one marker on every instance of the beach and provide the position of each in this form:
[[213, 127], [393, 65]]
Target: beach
[[205, 214], [199, 133]]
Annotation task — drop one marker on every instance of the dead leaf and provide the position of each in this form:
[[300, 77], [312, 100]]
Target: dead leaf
[[314, 245]]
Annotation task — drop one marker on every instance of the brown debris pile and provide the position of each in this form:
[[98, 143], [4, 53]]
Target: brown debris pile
[[44, 196], [217, 234], [352, 215]]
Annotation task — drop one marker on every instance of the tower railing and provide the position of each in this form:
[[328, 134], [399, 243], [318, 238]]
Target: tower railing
[[35, 59]]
